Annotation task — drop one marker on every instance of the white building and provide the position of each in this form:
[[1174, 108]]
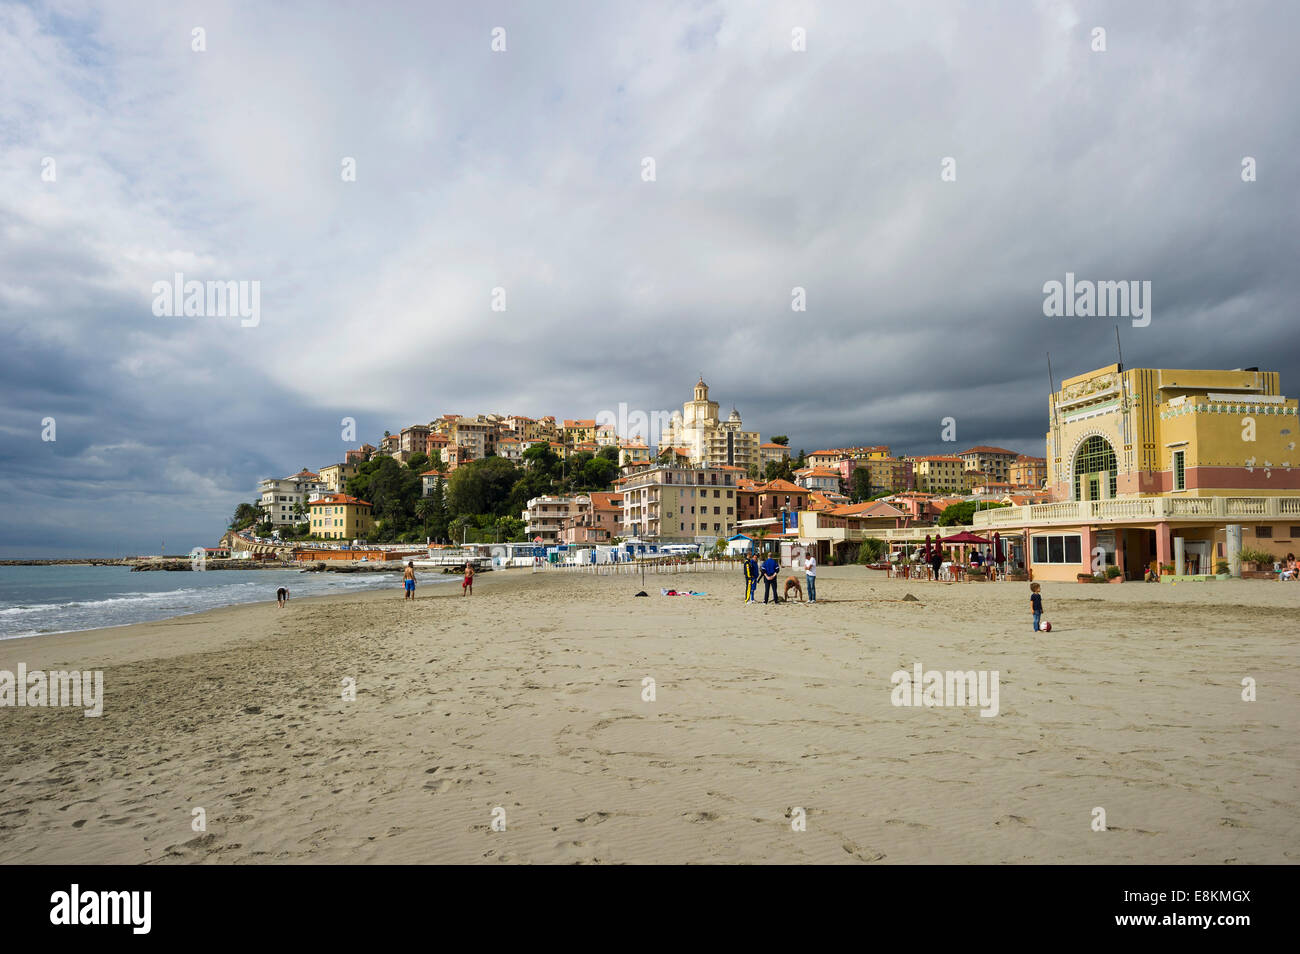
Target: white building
[[282, 498], [546, 515], [709, 440]]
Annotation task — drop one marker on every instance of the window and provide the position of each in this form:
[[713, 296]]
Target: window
[[1180, 470], [1264, 532], [1294, 532], [1058, 548], [1094, 456]]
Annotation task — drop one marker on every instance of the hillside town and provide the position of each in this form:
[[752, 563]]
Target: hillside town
[[1146, 469], [764, 478]]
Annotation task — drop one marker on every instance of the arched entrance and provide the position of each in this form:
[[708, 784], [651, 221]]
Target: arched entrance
[[1094, 461]]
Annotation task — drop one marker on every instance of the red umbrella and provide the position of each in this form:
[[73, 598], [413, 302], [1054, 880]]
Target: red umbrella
[[998, 556], [927, 548], [964, 537]]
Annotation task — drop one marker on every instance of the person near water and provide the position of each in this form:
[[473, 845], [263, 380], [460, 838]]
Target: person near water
[[751, 577], [810, 576], [408, 580], [467, 584], [770, 569], [281, 596], [1036, 603]]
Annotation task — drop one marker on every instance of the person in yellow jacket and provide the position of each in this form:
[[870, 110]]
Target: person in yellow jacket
[[751, 578]]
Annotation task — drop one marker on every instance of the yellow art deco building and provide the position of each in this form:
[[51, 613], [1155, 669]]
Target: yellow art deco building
[[1147, 431]]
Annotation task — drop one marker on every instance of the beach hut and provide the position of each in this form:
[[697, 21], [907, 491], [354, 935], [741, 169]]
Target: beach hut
[[739, 544]]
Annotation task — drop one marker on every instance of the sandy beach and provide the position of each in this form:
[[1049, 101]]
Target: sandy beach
[[529, 697]]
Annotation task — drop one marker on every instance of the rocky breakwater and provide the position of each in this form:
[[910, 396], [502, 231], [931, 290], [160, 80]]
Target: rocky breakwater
[[189, 566]]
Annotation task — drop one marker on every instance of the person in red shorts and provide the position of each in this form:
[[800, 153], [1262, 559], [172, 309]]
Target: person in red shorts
[[467, 584]]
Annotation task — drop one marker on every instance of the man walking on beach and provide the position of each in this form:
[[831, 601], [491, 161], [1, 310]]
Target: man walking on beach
[[408, 580], [751, 578], [810, 576], [769, 580]]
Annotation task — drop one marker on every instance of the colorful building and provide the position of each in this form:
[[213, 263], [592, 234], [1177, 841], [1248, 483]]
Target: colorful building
[[994, 463], [340, 517], [1029, 471], [679, 504], [1162, 467], [940, 474]]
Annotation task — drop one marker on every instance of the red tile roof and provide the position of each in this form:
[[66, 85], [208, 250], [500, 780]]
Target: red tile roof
[[338, 499], [985, 449]]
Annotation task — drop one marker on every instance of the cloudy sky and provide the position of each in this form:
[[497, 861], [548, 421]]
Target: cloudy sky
[[522, 169]]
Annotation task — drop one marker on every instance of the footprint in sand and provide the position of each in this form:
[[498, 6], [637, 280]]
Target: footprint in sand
[[1013, 818], [863, 854], [701, 816]]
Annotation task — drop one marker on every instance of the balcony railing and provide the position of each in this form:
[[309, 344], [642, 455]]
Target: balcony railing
[[1139, 508]]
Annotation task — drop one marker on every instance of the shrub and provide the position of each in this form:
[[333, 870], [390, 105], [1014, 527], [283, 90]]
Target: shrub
[[1112, 572], [870, 549], [1166, 568], [1253, 555], [1221, 566]]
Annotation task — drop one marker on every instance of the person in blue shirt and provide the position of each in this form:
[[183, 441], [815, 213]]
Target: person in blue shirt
[[770, 569], [751, 578]]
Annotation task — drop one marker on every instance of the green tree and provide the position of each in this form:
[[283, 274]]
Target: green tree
[[780, 439], [246, 515], [392, 491], [532, 484], [541, 458], [860, 485], [438, 516], [418, 462], [960, 514], [481, 487], [778, 470], [598, 473]]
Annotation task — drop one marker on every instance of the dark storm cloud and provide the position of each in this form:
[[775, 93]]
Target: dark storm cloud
[[775, 169]]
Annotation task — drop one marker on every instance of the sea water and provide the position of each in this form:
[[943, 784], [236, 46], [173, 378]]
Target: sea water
[[62, 599]]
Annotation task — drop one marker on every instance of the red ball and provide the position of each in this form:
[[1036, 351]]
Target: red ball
[[1045, 626]]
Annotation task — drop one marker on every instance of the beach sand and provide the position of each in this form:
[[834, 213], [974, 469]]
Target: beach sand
[[528, 696]]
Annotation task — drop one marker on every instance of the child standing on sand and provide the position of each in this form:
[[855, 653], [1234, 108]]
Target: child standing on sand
[[1036, 603], [467, 584]]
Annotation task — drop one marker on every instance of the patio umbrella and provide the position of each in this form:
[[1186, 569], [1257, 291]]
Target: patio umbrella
[[998, 555], [964, 537], [927, 548]]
